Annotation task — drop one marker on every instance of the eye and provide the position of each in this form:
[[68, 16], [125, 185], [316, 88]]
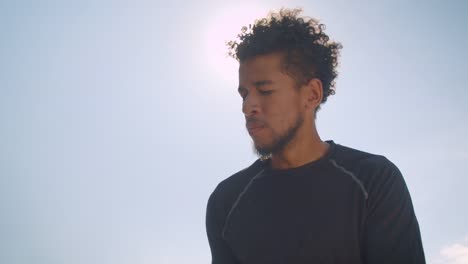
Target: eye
[[242, 92], [243, 96], [268, 92]]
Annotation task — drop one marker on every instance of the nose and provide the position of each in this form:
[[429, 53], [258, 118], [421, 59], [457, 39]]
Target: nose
[[250, 106]]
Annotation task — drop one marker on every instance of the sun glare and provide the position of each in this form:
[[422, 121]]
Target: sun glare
[[225, 25]]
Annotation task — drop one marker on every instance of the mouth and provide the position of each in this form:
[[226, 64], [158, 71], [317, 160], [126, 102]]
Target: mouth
[[254, 126], [254, 130]]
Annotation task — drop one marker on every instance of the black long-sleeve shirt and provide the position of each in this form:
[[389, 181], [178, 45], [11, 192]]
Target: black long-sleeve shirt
[[347, 207]]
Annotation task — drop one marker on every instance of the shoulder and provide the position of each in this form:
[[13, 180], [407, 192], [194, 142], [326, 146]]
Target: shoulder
[[373, 170], [381, 180], [361, 163], [227, 190]]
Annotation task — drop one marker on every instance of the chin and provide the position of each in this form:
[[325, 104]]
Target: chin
[[262, 149]]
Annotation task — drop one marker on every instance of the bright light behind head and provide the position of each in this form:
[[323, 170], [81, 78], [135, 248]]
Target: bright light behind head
[[225, 25]]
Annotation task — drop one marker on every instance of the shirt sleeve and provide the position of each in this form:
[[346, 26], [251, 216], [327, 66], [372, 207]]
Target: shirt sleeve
[[392, 231], [221, 253]]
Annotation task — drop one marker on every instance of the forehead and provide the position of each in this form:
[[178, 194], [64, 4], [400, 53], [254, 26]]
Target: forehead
[[261, 66]]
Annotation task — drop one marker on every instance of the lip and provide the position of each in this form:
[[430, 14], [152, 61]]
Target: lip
[[254, 130]]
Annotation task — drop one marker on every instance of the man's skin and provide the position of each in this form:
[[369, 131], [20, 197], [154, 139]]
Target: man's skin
[[273, 105]]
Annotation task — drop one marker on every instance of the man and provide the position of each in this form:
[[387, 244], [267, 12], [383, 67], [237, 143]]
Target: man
[[305, 200]]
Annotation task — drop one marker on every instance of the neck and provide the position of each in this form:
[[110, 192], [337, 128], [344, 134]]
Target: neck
[[305, 147]]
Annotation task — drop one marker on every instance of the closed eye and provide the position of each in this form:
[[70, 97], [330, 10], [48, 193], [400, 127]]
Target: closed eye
[[268, 92], [242, 92]]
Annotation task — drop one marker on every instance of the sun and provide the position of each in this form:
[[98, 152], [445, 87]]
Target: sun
[[225, 25]]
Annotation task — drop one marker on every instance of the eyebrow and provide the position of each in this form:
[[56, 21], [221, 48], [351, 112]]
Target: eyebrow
[[256, 84], [262, 82]]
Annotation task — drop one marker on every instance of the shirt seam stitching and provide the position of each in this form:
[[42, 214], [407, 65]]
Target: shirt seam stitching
[[236, 202], [353, 177]]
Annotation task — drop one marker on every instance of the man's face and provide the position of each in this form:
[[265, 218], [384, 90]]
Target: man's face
[[271, 103]]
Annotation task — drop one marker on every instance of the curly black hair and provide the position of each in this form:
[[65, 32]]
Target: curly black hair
[[309, 53]]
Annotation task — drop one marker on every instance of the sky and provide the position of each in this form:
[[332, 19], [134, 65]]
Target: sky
[[119, 118]]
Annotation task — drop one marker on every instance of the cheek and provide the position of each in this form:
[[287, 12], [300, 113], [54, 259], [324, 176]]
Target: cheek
[[282, 111], [279, 119]]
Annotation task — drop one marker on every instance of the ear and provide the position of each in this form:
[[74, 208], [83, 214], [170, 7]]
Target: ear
[[313, 94]]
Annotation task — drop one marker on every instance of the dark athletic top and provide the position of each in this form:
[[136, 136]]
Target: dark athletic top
[[347, 207]]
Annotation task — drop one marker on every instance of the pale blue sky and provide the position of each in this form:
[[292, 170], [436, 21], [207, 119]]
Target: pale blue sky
[[118, 119]]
